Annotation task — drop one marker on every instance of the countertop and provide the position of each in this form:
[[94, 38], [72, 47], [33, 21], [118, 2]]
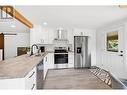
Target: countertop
[[20, 66]]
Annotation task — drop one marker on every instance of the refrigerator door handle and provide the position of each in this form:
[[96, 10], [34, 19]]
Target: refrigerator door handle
[[81, 51]]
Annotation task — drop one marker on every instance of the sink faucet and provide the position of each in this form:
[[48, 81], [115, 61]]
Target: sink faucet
[[32, 48]]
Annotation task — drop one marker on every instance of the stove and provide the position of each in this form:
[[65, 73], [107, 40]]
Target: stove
[[61, 57]]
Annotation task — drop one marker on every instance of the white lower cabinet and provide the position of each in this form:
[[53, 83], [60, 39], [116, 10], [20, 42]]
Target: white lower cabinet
[[16, 83], [28, 82], [70, 60], [48, 63], [45, 65]]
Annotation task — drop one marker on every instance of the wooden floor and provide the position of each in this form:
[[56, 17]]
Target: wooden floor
[[73, 79]]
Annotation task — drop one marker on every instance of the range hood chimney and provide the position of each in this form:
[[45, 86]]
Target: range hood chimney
[[61, 35]]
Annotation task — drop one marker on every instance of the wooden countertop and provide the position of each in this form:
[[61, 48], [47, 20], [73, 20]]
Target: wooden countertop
[[20, 66]]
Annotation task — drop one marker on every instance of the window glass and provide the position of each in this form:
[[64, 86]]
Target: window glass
[[112, 41]]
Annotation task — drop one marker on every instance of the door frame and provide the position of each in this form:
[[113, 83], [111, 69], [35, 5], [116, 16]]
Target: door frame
[[2, 45]]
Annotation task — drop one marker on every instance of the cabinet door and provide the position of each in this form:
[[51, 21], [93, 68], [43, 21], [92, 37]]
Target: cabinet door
[[71, 60], [39, 35], [71, 37], [36, 35], [51, 36], [30, 80], [50, 64], [45, 36]]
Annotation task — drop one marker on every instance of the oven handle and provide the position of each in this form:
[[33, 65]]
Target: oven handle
[[60, 53]]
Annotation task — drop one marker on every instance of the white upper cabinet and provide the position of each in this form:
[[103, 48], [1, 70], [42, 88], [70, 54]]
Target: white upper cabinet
[[35, 34], [51, 36], [70, 36], [41, 35], [45, 35]]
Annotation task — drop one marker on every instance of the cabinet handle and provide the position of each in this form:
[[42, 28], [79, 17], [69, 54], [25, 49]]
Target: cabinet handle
[[33, 87], [31, 75]]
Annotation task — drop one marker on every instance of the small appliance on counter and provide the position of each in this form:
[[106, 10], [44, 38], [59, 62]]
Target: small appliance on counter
[[42, 48]]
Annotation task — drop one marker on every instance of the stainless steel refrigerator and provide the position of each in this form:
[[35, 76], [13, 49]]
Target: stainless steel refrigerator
[[82, 57]]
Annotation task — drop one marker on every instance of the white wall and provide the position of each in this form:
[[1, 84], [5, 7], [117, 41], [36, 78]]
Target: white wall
[[111, 61], [14, 41]]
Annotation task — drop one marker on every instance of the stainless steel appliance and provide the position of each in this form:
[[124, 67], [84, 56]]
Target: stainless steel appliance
[[60, 57], [61, 36], [40, 75], [81, 52]]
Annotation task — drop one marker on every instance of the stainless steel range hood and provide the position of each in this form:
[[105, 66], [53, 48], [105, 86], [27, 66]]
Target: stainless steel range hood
[[61, 36], [60, 33]]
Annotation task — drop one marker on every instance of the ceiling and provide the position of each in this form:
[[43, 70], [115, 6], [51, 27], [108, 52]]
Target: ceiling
[[90, 17], [12, 25]]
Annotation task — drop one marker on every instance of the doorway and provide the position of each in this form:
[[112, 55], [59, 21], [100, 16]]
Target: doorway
[[2, 44]]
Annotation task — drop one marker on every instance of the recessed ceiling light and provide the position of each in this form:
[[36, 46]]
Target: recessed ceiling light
[[45, 23], [13, 26]]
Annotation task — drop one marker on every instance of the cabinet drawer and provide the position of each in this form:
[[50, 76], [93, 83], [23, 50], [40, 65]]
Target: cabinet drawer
[[32, 73]]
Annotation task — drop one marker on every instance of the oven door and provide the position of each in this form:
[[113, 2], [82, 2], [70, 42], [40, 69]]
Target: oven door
[[61, 59]]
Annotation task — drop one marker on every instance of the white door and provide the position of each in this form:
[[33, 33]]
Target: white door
[[10, 46], [114, 61]]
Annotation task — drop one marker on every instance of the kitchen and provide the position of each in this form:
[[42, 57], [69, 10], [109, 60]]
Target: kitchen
[[54, 45]]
